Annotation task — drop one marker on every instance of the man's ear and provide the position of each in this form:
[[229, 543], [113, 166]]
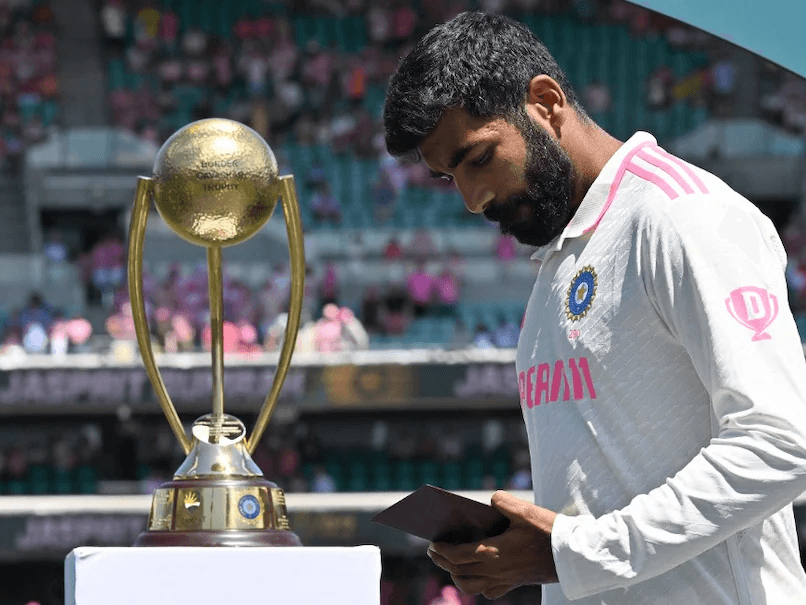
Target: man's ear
[[546, 101]]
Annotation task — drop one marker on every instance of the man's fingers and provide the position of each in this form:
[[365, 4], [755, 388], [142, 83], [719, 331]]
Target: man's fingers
[[455, 553], [508, 505], [439, 560], [462, 554], [496, 591], [463, 569], [471, 584]]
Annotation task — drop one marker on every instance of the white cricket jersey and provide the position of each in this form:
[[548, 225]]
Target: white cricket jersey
[[663, 386]]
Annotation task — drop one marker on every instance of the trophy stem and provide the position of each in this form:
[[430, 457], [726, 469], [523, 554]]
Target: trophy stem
[[216, 290]]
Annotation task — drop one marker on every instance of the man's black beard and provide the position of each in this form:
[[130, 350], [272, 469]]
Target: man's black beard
[[540, 214]]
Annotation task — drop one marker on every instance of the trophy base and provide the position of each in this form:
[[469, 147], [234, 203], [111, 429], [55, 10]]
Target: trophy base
[[266, 537], [235, 511]]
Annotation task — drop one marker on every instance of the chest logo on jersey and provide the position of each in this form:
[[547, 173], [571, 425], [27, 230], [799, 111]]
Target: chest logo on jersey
[[581, 293]]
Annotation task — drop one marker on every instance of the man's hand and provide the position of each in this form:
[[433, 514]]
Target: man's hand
[[494, 566]]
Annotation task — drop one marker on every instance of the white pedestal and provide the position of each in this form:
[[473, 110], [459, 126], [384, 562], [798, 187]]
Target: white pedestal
[[201, 576]]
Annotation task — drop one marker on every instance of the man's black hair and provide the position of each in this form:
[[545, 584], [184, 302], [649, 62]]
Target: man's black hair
[[480, 62]]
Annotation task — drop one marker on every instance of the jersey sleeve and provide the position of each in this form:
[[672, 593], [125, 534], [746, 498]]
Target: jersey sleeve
[[715, 275]]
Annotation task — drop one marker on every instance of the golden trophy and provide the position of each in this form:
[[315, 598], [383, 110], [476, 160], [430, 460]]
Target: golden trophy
[[216, 183]]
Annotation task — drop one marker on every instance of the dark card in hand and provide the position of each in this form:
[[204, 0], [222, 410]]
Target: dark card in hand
[[442, 516]]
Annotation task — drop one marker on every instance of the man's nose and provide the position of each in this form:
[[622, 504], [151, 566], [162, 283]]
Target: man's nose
[[476, 198]]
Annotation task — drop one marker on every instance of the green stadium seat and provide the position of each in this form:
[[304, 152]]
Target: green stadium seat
[[567, 32], [335, 470], [134, 81], [303, 30], [188, 14], [16, 487], [207, 10], [500, 470], [38, 480], [86, 479], [48, 111], [383, 482], [429, 473], [224, 18], [473, 471], [381, 474], [63, 482], [351, 34], [405, 478], [699, 115], [252, 8], [116, 74], [359, 477], [374, 99], [452, 476], [660, 125], [27, 110]]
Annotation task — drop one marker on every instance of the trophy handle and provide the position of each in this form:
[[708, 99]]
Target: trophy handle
[[296, 250], [137, 233]]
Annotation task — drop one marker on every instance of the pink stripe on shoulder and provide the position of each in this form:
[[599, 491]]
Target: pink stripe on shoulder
[[684, 166], [617, 182], [667, 168], [652, 178]]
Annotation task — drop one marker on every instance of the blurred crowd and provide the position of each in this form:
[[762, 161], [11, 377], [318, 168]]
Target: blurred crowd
[[29, 87], [258, 73], [326, 88], [420, 282], [784, 99], [39, 327], [793, 237]]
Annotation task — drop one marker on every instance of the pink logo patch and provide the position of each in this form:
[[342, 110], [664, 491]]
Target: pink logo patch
[[754, 308]]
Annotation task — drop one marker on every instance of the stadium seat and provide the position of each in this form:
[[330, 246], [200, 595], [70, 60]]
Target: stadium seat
[[382, 475], [16, 487], [452, 476], [473, 472], [374, 98], [351, 34], [334, 469], [116, 74], [86, 479], [48, 111], [38, 480], [500, 470], [405, 478], [188, 15], [800, 322], [358, 477], [63, 482], [429, 473], [27, 108]]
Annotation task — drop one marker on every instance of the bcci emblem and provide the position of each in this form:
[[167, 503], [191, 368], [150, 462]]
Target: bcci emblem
[[581, 293], [249, 507]]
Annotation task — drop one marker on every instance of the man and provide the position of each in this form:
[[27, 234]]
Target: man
[[660, 371]]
